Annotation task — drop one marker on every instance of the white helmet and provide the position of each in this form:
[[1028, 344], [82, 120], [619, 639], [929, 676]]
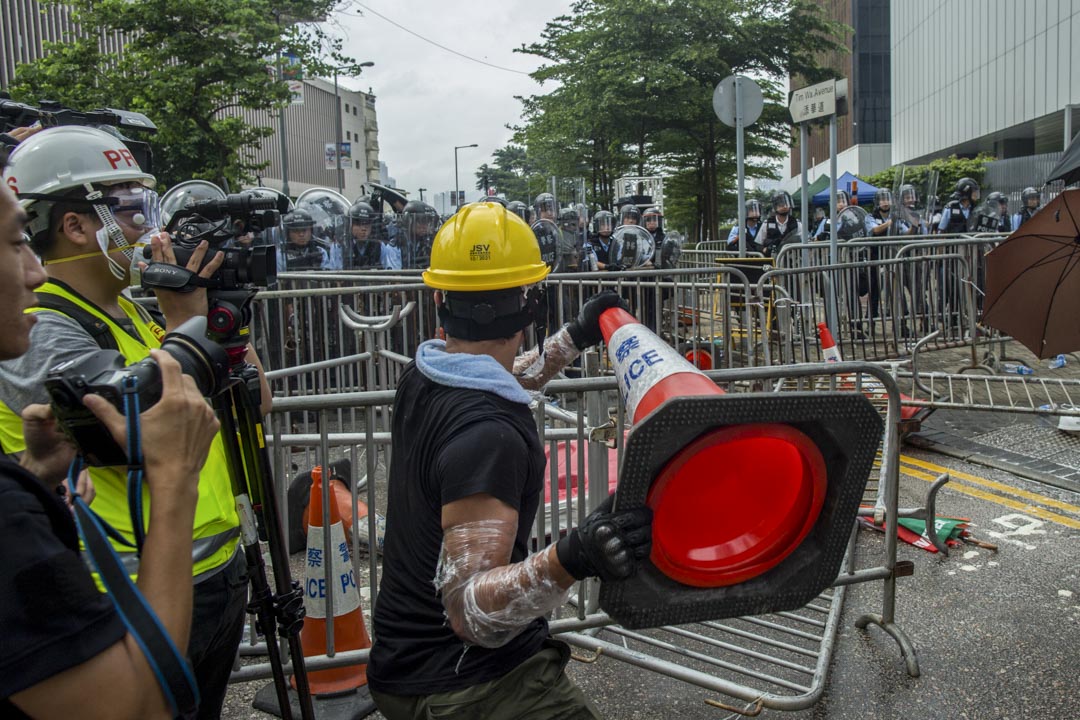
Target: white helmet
[[54, 161]]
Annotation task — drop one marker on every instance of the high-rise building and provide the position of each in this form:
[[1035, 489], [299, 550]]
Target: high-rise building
[[865, 133], [998, 76]]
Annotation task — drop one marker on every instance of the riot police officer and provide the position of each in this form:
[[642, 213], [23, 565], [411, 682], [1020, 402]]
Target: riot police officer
[[601, 242], [301, 251], [419, 221], [366, 250], [824, 228], [753, 225], [1030, 200], [880, 222], [781, 228], [569, 248], [999, 204], [955, 217]]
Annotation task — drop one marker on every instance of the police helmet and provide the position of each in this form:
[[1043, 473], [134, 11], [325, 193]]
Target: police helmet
[[845, 195], [361, 213], [996, 198], [753, 210], [1029, 193], [604, 221], [908, 195], [519, 208], [298, 220], [494, 199], [781, 199], [629, 214], [883, 195], [967, 188]]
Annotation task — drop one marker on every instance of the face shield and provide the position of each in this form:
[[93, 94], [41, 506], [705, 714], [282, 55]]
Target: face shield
[[418, 228], [781, 203], [753, 210], [883, 199], [605, 223], [545, 206], [652, 219], [629, 215], [908, 197]]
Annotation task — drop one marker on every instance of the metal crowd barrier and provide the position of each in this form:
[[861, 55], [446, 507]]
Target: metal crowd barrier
[[778, 661]]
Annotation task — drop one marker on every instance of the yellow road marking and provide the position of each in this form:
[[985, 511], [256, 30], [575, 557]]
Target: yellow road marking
[[998, 500], [1000, 487]]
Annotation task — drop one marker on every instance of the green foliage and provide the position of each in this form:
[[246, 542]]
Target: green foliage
[[634, 94], [511, 173], [192, 66], [950, 170]]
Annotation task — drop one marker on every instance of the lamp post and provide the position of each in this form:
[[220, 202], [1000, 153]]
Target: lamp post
[[355, 70], [457, 191], [422, 194]]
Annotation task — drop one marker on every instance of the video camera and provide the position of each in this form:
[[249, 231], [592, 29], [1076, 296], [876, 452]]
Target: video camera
[[103, 373], [218, 222], [50, 113]]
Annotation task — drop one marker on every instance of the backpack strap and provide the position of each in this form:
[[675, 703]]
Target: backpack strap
[[94, 326]]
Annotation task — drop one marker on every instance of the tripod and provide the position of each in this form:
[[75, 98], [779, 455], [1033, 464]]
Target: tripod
[[280, 608]]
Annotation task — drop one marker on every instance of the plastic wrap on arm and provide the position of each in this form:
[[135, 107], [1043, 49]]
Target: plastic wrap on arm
[[535, 370], [488, 602]]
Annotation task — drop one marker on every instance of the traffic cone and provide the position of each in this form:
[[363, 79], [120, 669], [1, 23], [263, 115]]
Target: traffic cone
[[753, 494], [756, 524], [341, 499], [337, 693], [829, 351], [349, 630]]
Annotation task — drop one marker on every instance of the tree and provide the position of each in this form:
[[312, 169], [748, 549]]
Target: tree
[[950, 170], [192, 66], [636, 79], [511, 173]]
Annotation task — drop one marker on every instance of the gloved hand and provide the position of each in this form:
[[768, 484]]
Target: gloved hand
[[585, 328], [608, 545]]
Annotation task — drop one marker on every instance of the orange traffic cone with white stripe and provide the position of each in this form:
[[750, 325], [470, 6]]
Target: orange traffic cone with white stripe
[[337, 693], [349, 630]]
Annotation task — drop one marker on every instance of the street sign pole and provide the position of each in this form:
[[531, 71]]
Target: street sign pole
[[834, 251], [739, 164], [738, 102]]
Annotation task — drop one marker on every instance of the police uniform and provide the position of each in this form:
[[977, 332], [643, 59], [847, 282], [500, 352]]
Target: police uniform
[[775, 235]]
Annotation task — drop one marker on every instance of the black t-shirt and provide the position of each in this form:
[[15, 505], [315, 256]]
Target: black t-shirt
[[449, 443], [52, 616]]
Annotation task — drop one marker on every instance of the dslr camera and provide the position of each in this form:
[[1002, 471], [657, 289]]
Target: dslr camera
[[104, 373]]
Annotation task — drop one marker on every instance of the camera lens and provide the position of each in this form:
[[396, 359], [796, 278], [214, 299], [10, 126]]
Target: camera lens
[[203, 359]]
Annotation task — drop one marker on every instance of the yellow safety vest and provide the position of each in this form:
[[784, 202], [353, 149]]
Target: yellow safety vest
[[217, 526]]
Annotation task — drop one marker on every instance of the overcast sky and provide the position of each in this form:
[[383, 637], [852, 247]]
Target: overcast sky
[[429, 100]]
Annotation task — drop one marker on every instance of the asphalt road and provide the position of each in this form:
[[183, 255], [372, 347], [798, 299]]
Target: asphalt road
[[997, 633]]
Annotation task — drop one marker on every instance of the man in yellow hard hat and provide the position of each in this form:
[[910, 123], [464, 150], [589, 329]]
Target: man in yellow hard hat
[[459, 622]]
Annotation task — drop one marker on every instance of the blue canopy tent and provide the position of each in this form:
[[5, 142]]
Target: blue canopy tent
[[866, 190]]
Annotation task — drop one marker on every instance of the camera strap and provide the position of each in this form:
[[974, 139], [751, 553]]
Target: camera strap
[[170, 667]]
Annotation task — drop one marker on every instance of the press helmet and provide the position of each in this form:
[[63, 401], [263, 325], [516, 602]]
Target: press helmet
[[483, 260], [59, 164]]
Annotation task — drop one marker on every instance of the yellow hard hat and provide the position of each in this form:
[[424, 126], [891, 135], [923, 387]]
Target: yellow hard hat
[[484, 247]]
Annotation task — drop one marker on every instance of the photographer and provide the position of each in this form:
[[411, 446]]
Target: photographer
[[88, 204], [64, 640]]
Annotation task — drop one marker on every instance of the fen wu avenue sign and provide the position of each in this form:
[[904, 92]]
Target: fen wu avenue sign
[[817, 101]]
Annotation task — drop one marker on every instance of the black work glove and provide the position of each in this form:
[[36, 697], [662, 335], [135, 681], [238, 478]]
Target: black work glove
[[585, 328], [608, 545]]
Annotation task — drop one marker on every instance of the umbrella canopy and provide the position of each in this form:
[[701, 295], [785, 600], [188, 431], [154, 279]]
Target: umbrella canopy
[[1033, 280], [866, 190], [1068, 168]]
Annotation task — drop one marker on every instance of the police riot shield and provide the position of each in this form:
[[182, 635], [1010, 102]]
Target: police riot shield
[[631, 246], [328, 210], [851, 223], [417, 226], [187, 194], [985, 217], [670, 250], [549, 238]]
